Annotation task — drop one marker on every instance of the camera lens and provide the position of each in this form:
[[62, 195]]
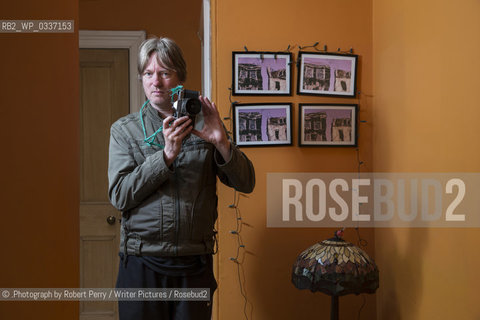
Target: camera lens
[[193, 106]]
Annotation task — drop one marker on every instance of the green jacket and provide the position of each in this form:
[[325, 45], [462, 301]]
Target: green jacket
[[168, 211]]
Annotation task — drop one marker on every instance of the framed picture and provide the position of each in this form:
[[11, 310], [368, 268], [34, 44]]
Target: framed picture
[[327, 74], [262, 73], [262, 124], [327, 125]]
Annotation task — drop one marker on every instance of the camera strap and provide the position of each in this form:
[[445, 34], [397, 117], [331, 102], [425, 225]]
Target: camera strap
[[149, 140], [176, 91]]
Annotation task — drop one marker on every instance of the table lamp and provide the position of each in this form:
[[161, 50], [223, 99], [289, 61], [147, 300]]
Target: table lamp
[[337, 268]]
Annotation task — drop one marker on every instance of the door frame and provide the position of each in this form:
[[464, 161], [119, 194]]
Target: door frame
[[206, 51], [131, 40]]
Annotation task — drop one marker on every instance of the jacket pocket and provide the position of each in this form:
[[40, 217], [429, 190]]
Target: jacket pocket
[[204, 213], [146, 220], [141, 150]]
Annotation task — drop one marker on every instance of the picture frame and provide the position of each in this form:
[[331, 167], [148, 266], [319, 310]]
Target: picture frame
[[327, 74], [327, 125], [262, 124], [262, 73]]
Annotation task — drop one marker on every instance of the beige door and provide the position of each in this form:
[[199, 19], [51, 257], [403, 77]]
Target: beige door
[[103, 99]]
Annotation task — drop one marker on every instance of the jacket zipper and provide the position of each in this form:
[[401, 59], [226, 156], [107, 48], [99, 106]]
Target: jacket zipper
[[177, 209], [177, 200]]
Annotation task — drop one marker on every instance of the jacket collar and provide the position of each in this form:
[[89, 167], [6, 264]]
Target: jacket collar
[[153, 115]]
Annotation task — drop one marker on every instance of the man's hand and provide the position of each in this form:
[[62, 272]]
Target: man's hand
[[213, 130], [174, 131]]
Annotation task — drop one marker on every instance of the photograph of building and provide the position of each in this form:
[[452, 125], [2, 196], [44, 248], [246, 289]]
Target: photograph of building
[[341, 129], [277, 129], [250, 125], [250, 77], [315, 126], [316, 77], [262, 73], [277, 80], [342, 80]]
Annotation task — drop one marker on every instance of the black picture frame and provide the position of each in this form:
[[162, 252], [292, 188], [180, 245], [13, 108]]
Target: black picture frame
[[327, 74], [327, 125], [261, 73], [262, 124]]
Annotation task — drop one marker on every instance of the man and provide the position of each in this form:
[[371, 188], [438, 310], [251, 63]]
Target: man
[[162, 176]]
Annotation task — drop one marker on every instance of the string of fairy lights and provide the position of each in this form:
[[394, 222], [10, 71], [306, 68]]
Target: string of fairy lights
[[239, 257]]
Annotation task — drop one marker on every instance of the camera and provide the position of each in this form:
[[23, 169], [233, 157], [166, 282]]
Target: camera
[[188, 104]]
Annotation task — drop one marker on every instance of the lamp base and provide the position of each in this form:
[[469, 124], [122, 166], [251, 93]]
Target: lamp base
[[334, 308]]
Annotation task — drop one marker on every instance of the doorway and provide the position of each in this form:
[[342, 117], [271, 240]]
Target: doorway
[[103, 99], [107, 93]]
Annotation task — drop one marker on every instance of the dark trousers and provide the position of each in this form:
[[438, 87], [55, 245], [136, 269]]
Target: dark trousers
[[136, 275]]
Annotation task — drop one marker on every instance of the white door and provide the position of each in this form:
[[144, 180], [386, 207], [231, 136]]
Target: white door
[[104, 98]]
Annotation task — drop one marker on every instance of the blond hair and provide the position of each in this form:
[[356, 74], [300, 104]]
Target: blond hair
[[168, 53]]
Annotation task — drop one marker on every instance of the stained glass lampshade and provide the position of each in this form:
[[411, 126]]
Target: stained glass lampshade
[[337, 268]]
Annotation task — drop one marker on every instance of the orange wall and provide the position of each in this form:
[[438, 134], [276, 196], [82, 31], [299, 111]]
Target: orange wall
[[272, 26], [40, 159], [426, 70], [179, 20]]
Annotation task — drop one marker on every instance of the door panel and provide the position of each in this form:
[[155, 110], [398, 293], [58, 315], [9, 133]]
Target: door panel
[[103, 99]]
